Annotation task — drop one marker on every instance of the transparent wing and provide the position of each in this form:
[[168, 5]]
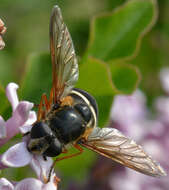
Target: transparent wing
[[64, 62], [113, 144]]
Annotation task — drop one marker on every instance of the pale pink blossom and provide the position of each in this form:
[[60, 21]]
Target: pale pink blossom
[[19, 156], [152, 134], [21, 115], [28, 184], [128, 114]]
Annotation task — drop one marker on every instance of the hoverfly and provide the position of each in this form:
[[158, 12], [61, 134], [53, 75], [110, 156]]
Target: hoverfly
[[69, 116]]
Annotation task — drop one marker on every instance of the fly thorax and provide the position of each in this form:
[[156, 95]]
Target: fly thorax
[[67, 124]]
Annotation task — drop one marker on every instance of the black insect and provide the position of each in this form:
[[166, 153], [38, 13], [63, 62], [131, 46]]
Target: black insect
[[69, 117]]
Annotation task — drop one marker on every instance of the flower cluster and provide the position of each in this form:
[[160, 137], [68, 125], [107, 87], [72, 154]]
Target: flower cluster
[[152, 134], [2, 31], [18, 155]]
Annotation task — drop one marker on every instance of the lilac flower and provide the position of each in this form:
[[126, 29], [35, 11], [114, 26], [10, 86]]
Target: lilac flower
[[28, 184], [135, 108], [21, 115], [154, 143], [128, 112], [153, 135], [18, 155]]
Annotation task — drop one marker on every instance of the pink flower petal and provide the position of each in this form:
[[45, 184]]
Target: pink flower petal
[[28, 124], [41, 167], [19, 118], [128, 109], [16, 156], [29, 184], [31, 119], [2, 128], [5, 184], [12, 95], [22, 111]]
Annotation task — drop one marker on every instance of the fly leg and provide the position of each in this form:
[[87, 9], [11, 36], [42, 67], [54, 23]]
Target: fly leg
[[43, 107], [79, 148], [72, 155], [51, 96]]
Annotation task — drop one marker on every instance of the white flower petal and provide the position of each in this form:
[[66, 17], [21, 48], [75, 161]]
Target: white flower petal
[[5, 184], [49, 186], [29, 184], [41, 167], [52, 184], [25, 129], [16, 156], [2, 128], [31, 119], [12, 94]]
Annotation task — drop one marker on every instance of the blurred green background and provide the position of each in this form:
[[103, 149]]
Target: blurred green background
[[28, 35], [28, 24]]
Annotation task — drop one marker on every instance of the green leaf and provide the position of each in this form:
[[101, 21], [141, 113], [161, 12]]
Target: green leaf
[[7, 68], [37, 78], [78, 166], [95, 79], [125, 77], [4, 104], [117, 35]]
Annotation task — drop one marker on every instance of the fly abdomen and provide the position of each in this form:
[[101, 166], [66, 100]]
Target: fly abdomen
[[86, 106], [84, 111]]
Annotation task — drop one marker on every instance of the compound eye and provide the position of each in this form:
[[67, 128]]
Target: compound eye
[[40, 129], [84, 111]]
